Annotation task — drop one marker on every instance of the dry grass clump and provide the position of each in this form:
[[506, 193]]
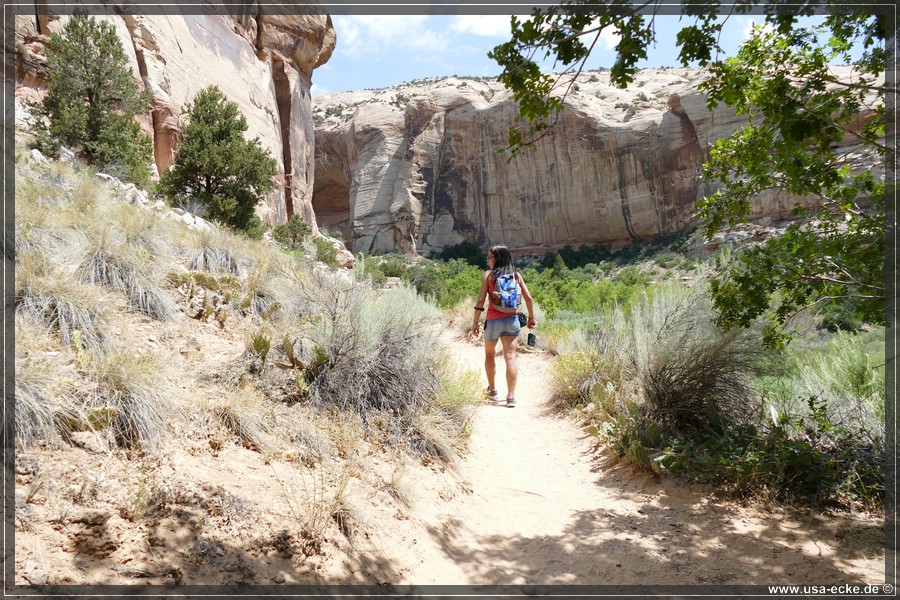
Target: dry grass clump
[[57, 300], [441, 430], [269, 292], [111, 262], [137, 388], [43, 397], [72, 220], [214, 252], [460, 316], [245, 414]]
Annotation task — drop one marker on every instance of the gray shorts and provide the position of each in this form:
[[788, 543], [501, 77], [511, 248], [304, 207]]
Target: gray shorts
[[494, 328]]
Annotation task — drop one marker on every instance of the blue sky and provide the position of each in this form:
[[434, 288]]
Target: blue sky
[[381, 51]]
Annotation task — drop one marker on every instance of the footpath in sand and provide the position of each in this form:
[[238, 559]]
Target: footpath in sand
[[541, 505]]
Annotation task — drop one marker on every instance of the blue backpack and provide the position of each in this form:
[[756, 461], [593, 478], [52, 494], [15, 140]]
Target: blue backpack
[[506, 297]]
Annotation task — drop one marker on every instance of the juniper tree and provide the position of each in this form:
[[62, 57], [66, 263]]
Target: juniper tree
[[92, 100], [216, 166]]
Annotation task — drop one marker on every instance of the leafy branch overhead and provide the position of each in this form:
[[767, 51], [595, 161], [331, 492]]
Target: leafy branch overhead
[[802, 115]]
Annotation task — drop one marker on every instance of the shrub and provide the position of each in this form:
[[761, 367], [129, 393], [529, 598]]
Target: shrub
[[467, 251], [369, 268], [325, 251], [692, 375], [840, 317], [292, 233], [664, 388], [137, 387], [92, 100], [845, 377], [216, 166], [372, 354]]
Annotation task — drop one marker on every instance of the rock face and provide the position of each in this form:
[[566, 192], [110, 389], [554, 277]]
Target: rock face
[[261, 60], [417, 167]]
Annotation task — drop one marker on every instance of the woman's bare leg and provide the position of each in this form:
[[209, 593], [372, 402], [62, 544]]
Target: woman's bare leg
[[490, 369], [512, 369]]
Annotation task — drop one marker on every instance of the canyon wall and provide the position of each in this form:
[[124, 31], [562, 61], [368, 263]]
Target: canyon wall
[[417, 167]]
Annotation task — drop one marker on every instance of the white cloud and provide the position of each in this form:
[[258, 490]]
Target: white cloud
[[361, 36], [318, 90], [749, 25], [483, 25], [608, 39]]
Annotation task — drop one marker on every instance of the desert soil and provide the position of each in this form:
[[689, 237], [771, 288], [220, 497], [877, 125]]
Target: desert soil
[[532, 501]]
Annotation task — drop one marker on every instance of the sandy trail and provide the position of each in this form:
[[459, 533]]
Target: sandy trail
[[540, 506], [531, 502]]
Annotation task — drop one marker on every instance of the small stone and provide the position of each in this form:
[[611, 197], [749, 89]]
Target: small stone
[[37, 577], [279, 578]]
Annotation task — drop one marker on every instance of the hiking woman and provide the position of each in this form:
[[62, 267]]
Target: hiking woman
[[500, 325]]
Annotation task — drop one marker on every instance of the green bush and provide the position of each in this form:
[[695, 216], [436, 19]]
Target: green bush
[[92, 100], [292, 233], [467, 251], [368, 267], [325, 251], [217, 167], [840, 317], [665, 389]]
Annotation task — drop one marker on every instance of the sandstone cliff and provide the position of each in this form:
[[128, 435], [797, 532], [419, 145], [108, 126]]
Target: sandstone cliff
[[416, 167], [260, 59]]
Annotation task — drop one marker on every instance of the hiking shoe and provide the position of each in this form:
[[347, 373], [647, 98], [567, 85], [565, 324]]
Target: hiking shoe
[[510, 402], [490, 394]]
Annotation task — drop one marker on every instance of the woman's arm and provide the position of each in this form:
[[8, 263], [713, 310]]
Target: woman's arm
[[479, 303], [529, 301]]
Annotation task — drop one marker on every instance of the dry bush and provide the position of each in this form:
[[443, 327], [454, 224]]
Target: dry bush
[[378, 353], [214, 251], [244, 413], [61, 303], [112, 262], [692, 374], [317, 500], [373, 353], [137, 388], [309, 439]]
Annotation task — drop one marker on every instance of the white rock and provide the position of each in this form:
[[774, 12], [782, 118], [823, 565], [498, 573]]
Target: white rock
[[39, 158], [66, 155]]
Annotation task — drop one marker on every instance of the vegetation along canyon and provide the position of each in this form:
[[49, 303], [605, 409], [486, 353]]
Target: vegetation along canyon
[[243, 350]]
